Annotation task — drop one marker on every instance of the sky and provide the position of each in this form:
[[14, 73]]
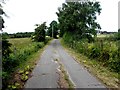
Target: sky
[[24, 14], [119, 15]]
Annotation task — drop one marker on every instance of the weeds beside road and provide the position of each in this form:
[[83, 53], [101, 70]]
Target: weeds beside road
[[24, 54], [79, 53]]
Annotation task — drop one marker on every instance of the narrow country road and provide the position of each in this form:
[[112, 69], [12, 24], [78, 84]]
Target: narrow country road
[[45, 73]]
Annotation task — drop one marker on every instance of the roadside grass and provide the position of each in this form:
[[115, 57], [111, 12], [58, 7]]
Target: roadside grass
[[64, 81], [20, 43], [23, 71], [32, 59], [21, 75], [66, 77], [110, 79]]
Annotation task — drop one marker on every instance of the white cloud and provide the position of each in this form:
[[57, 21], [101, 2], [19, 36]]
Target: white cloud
[[24, 14], [108, 18]]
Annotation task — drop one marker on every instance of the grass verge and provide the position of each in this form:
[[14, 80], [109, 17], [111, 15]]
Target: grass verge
[[66, 77], [23, 72], [110, 79], [64, 80]]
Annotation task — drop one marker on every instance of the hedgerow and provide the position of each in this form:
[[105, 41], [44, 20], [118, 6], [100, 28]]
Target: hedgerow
[[17, 57], [104, 51]]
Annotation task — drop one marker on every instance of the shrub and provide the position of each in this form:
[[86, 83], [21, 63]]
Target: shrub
[[106, 52], [6, 48], [47, 39], [20, 56], [95, 52]]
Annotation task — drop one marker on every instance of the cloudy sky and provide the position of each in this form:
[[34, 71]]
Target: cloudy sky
[[24, 14]]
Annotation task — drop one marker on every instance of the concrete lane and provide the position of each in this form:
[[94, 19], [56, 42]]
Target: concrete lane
[[79, 75], [45, 76]]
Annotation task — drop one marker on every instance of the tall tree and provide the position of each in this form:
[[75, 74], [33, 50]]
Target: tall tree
[[5, 47], [5, 44], [40, 32], [79, 18], [53, 29], [1, 18]]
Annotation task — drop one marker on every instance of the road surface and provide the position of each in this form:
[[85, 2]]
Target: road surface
[[45, 73]]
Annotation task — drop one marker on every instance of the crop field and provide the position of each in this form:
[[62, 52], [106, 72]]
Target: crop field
[[102, 35], [20, 42]]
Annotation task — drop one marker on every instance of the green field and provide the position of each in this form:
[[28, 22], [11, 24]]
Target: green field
[[102, 35], [105, 35], [20, 42]]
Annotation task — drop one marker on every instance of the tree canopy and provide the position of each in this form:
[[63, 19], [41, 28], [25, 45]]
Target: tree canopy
[[79, 18], [1, 18], [40, 32], [53, 29]]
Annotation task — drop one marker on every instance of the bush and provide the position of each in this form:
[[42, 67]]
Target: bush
[[10, 63], [95, 52], [103, 51], [6, 48], [47, 39], [16, 57], [79, 47], [20, 56]]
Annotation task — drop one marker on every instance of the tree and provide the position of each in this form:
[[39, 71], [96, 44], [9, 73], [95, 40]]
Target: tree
[[5, 47], [119, 34], [5, 43], [79, 18], [1, 18], [40, 32], [5, 35], [53, 29]]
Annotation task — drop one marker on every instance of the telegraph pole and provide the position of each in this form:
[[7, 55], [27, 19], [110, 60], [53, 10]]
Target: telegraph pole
[[52, 31]]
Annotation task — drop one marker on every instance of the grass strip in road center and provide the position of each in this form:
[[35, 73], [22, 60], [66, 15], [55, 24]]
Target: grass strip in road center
[[64, 80]]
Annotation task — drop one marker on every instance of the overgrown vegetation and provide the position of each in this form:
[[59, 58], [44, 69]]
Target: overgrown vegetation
[[78, 19], [53, 29], [39, 34], [77, 24], [17, 57], [64, 79], [18, 52], [109, 78], [20, 78], [104, 51]]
